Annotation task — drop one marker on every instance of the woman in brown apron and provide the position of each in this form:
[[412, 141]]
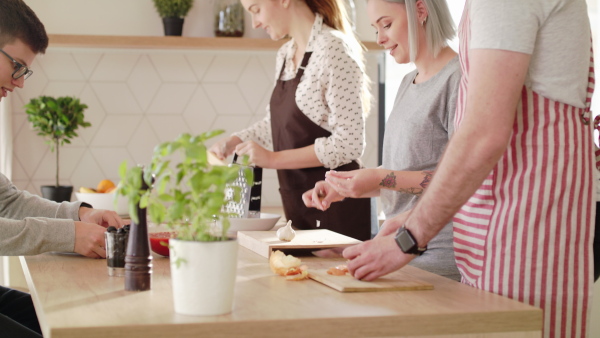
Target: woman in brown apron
[[315, 121]]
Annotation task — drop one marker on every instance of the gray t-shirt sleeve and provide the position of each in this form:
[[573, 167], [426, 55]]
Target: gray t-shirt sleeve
[[31, 225], [508, 24], [556, 33]]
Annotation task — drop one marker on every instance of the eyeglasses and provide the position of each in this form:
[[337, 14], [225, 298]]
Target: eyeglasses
[[20, 69]]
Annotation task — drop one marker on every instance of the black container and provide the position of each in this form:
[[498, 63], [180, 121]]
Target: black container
[[59, 194], [173, 26], [116, 247]]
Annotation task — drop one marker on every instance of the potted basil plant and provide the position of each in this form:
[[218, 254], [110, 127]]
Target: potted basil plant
[[56, 120], [172, 13], [189, 195]]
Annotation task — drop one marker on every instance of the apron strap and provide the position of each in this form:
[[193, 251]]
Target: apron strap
[[303, 65], [586, 115]]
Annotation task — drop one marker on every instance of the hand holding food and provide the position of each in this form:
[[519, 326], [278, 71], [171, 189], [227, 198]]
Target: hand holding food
[[321, 196], [355, 183]]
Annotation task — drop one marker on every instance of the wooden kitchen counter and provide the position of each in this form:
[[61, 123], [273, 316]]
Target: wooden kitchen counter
[[75, 297]]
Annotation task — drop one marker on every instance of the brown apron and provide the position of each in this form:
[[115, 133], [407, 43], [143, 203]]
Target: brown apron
[[291, 129]]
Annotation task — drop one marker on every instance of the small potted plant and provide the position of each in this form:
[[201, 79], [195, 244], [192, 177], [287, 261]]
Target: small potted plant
[[56, 119], [188, 194], [172, 13]]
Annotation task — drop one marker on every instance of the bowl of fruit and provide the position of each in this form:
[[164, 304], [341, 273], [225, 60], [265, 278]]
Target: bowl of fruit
[[103, 197]]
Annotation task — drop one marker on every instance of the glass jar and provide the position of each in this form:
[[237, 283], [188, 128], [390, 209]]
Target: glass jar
[[229, 18], [351, 9]]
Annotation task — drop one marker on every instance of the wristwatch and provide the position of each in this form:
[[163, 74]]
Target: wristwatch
[[407, 242]]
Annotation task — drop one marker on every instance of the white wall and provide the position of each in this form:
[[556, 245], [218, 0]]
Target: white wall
[[138, 98], [138, 17], [118, 17]]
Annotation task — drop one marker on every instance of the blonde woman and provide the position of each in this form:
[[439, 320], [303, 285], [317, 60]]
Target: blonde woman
[[420, 124]]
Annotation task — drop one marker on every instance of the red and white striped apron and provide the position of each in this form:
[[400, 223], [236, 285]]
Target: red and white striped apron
[[527, 232]]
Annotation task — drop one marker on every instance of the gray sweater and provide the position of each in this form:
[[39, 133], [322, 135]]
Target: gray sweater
[[416, 134], [30, 225]]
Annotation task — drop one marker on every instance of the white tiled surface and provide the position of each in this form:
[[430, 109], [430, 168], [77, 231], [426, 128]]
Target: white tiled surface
[[138, 98]]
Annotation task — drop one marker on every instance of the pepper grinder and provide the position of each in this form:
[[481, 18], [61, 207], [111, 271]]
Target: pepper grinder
[[138, 261]]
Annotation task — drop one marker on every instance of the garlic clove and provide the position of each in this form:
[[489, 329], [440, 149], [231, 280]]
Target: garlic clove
[[286, 233]]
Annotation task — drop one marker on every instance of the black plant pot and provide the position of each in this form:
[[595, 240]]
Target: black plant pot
[[57, 194], [173, 26]]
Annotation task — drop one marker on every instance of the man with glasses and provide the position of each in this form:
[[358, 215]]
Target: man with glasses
[[29, 224], [20, 69]]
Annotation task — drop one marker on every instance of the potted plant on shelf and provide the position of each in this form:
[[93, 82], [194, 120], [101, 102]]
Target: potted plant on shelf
[[56, 119], [188, 194], [172, 13]]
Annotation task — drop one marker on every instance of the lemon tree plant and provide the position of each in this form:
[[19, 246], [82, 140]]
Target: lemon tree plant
[[57, 121], [185, 191]]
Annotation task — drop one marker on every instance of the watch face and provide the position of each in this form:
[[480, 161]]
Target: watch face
[[405, 241]]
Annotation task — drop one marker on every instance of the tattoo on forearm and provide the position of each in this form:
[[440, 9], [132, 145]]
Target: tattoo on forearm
[[412, 191], [389, 181], [428, 174]]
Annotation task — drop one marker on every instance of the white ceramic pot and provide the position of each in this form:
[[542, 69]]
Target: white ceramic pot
[[203, 284]]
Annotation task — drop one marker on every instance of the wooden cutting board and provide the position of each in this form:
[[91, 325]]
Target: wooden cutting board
[[397, 281], [265, 242]]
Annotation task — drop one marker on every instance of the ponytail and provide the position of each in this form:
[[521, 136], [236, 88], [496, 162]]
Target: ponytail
[[334, 13]]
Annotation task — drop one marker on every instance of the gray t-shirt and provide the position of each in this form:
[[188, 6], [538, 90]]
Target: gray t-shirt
[[30, 225], [541, 28], [416, 134]]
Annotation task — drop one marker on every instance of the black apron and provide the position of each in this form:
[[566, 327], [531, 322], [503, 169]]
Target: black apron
[[291, 129]]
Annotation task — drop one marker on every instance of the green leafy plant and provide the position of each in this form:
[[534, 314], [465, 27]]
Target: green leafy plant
[[173, 8], [181, 188], [56, 119]]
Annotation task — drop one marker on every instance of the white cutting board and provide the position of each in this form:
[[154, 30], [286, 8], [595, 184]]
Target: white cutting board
[[265, 242]]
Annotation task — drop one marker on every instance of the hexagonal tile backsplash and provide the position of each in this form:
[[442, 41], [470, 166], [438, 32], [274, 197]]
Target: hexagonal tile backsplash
[[138, 98]]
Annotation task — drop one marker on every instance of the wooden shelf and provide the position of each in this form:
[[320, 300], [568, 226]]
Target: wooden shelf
[[171, 42]]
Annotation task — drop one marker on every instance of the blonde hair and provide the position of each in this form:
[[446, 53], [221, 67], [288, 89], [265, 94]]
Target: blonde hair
[[439, 26], [336, 16]]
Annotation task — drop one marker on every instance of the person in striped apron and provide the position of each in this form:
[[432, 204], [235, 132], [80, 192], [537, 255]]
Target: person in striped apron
[[517, 175]]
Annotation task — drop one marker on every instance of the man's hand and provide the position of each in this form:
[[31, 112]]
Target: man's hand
[[375, 258], [89, 239], [101, 217], [321, 196]]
